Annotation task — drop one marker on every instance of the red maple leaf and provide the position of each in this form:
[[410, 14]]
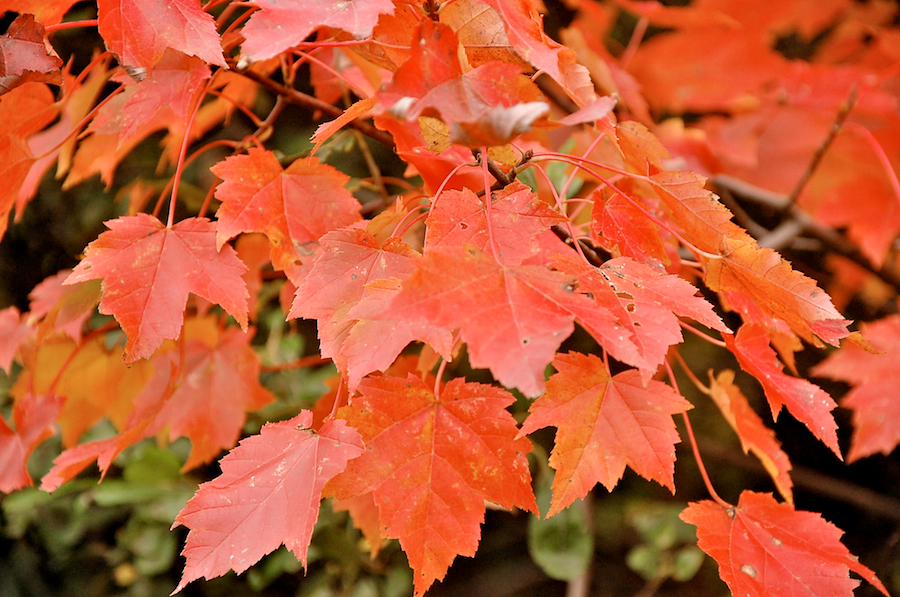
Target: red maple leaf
[[373, 335], [765, 548], [167, 91], [219, 374], [604, 424], [135, 259], [281, 24], [13, 330], [512, 318], [807, 402], [518, 216], [62, 308], [24, 55], [267, 495], [293, 206], [431, 462], [432, 82], [874, 377], [645, 303], [140, 31], [634, 235], [33, 416]]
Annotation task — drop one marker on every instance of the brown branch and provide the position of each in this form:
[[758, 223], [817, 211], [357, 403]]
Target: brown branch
[[313, 103]]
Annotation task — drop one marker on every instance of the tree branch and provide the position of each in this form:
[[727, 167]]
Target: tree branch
[[307, 101]]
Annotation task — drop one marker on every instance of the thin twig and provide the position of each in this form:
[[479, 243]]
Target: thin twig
[[313, 103], [820, 152]]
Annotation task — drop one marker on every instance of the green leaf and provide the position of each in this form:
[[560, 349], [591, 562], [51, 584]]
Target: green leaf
[[562, 545]]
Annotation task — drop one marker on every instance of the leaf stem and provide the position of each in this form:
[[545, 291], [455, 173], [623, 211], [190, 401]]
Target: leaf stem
[[179, 168], [703, 335], [72, 25], [568, 223], [437, 379], [194, 156], [690, 374], [301, 363], [488, 202], [694, 447]]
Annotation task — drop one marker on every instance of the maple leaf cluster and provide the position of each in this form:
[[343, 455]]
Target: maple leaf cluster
[[542, 192]]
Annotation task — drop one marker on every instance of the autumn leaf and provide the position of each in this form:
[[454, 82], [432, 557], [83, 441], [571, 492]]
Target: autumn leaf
[[765, 548], [604, 424], [778, 290], [28, 108], [294, 207], [168, 90], [517, 217], [139, 32], [644, 304], [634, 235], [281, 24], [13, 330], [433, 83], [134, 259], [24, 55], [873, 397], [94, 382], [218, 384], [327, 129], [525, 31], [33, 416], [267, 495], [61, 308], [431, 462], [754, 435], [807, 402], [698, 213], [372, 335], [513, 319]]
